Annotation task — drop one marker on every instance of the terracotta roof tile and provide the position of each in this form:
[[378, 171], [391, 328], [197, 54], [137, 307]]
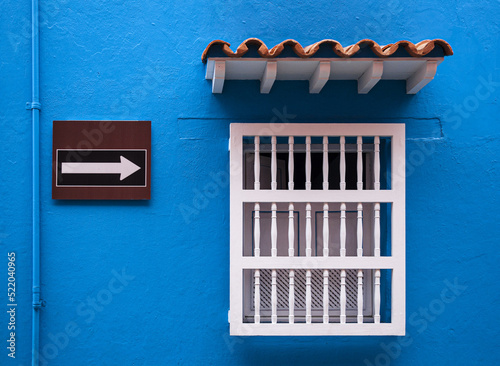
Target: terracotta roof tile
[[415, 50]]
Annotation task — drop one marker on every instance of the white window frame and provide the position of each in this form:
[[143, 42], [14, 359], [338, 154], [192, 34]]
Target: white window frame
[[395, 262]]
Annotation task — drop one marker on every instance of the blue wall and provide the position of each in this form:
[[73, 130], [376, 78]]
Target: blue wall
[[140, 60]]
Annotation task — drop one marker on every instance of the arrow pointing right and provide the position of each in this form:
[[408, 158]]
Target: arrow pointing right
[[125, 168]]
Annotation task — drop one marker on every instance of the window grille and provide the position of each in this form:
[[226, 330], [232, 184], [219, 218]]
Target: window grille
[[317, 229]]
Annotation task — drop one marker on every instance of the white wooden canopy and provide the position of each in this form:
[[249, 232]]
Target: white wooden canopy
[[417, 72]]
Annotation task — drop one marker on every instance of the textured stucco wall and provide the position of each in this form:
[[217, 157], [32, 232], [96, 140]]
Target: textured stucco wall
[[141, 60]]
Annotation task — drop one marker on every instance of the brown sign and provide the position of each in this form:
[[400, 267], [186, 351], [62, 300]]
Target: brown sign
[[101, 160]]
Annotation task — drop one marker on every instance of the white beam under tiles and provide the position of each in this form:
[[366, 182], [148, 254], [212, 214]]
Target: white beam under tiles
[[367, 71]]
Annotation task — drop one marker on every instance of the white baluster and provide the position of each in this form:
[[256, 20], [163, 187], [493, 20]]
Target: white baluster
[[274, 231], [290, 163], [342, 162], [308, 230], [291, 298], [376, 231], [326, 230], [325, 162], [342, 297], [274, 298], [274, 168], [291, 230], [376, 164], [256, 166], [326, 301], [308, 162], [342, 229], [376, 297], [360, 230], [360, 162], [257, 296], [308, 297], [360, 296], [256, 230]]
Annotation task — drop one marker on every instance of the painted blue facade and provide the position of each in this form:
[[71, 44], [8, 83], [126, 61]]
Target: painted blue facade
[[147, 283]]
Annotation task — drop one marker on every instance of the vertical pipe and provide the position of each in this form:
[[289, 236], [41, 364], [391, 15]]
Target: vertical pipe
[[35, 114]]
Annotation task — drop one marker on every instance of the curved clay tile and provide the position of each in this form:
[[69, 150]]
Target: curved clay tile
[[420, 49]]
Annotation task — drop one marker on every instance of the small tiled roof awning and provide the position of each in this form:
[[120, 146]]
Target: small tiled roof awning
[[366, 61]]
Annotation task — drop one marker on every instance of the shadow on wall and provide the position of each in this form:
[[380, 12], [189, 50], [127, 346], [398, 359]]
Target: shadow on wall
[[242, 99]]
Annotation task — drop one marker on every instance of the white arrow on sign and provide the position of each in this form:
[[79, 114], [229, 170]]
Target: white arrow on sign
[[125, 168]]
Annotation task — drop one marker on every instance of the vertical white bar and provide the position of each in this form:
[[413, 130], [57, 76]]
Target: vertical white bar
[[376, 231], [257, 296], [376, 298], [291, 245], [325, 162], [274, 169], [308, 230], [376, 295], [376, 163], [342, 229], [308, 297], [256, 230], [308, 162], [360, 296], [326, 300], [326, 231], [360, 230], [342, 162], [274, 231], [342, 297], [291, 230], [274, 298], [256, 166], [308, 272], [291, 298], [290, 163], [360, 162]]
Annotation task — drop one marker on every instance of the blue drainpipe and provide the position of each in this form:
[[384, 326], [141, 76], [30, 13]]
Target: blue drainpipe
[[35, 114]]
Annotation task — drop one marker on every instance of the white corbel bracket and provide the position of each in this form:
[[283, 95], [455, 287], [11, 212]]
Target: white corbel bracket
[[370, 77], [268, 77], [421, 77], [319, 77], [218, 77]]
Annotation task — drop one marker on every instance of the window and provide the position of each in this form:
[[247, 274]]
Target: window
[[317, 244]]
